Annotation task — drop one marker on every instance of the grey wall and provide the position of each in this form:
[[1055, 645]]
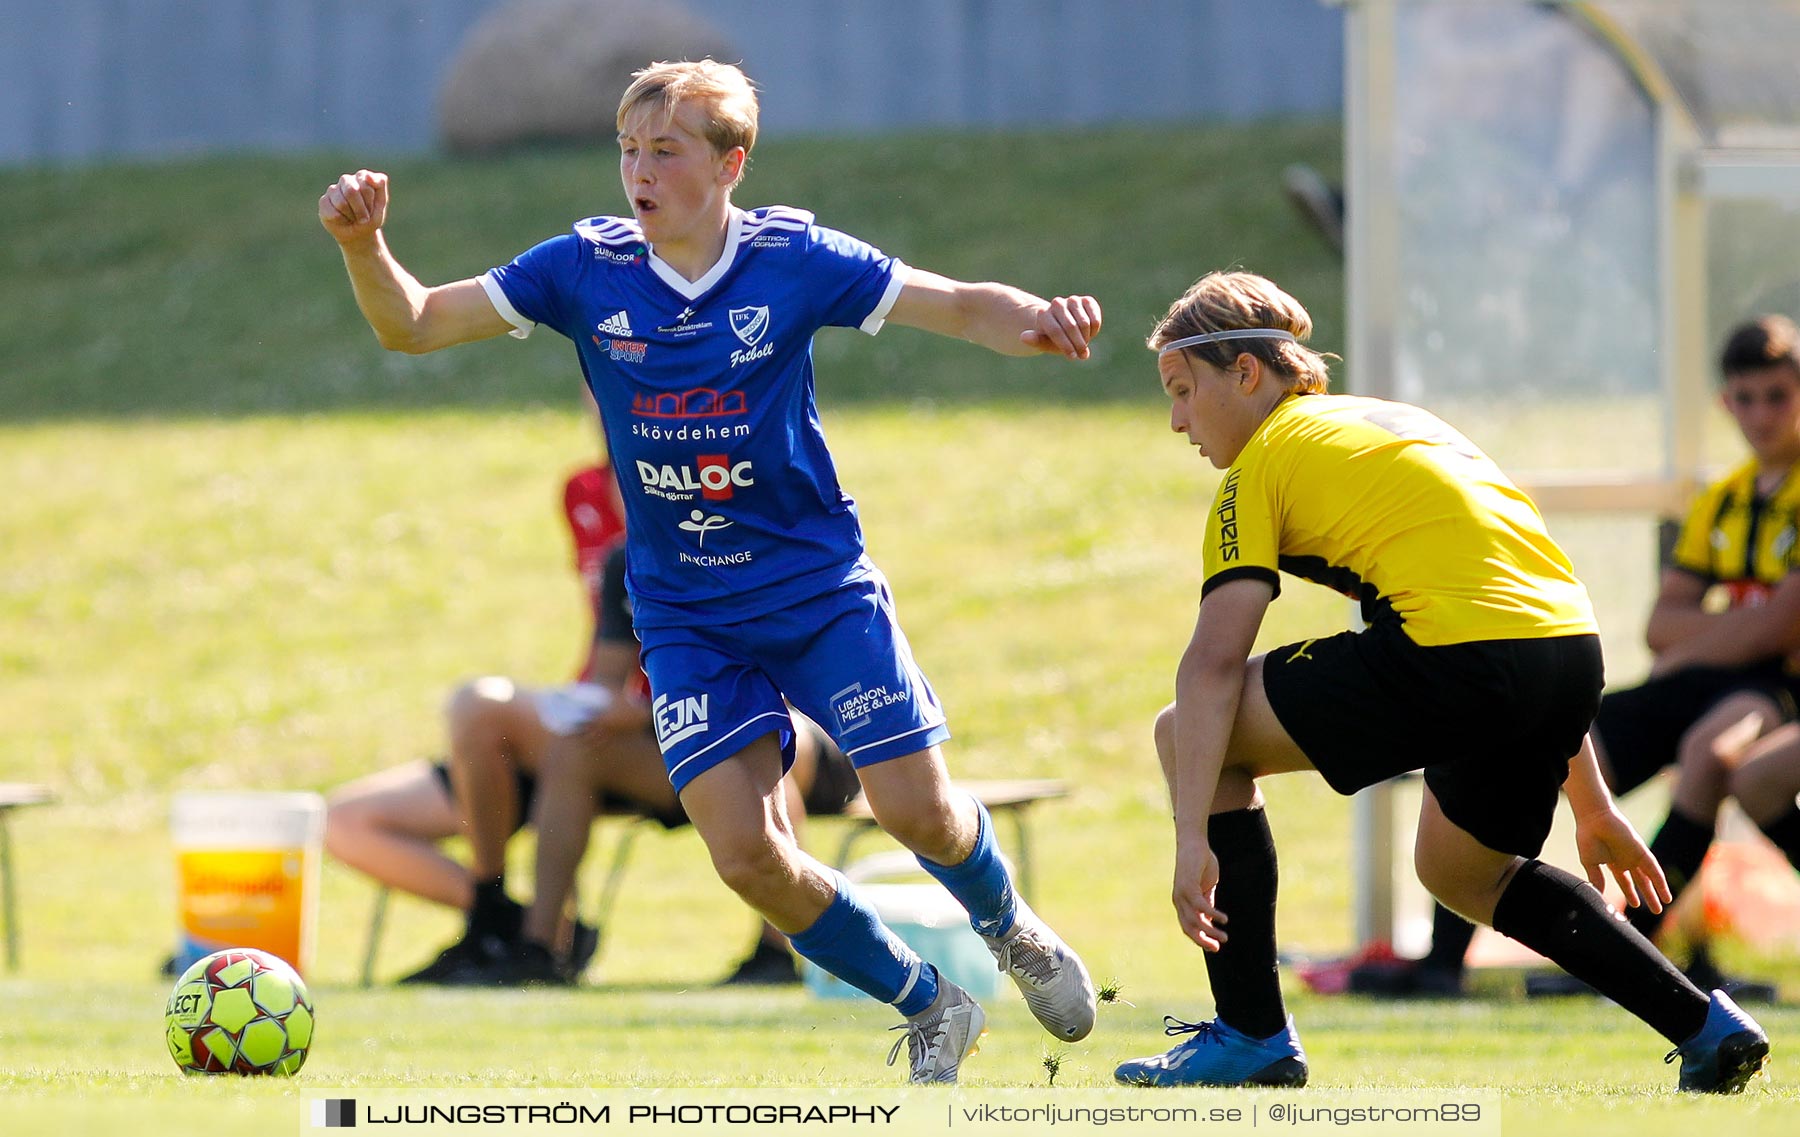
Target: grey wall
[[86, 79], [875, 64], [95, 78]]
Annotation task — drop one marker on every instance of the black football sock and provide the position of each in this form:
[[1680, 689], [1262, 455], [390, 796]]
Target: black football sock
[[1680, 847], [1785, 832], [1566, 920], [493, 912], [1245, 983], [1450, 936]]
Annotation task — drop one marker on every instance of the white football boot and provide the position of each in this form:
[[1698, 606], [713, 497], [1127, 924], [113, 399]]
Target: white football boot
[[939, 1037], [1050, 975]]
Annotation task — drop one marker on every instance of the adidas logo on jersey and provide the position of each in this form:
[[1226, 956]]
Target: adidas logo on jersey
[[617, 324]]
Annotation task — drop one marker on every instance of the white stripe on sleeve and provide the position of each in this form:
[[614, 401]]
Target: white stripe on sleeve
[[896, 281], [497, 297]]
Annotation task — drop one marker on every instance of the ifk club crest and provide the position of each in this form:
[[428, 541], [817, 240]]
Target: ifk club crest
[[750, 324]]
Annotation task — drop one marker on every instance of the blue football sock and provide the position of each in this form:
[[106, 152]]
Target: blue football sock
[[850, 941], [980, 883]]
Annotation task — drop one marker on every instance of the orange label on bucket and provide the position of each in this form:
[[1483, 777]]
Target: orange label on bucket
[[244, 898]]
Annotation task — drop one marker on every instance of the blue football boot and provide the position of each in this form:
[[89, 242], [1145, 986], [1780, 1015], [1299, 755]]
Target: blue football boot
[[1727, 1051], [1218, 1055]]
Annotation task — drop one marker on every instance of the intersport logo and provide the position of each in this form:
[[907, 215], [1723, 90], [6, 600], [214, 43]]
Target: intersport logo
[[715, 477]]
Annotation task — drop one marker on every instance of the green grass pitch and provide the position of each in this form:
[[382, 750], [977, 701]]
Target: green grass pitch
[[242, 548]]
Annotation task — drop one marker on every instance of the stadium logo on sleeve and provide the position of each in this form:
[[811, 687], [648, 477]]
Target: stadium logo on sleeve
[[1227, 514]]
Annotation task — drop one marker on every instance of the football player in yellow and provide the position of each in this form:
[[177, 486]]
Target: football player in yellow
[[1480, 666], [1727, 675]]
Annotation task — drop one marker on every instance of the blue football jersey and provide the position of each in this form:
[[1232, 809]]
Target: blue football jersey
[[733, 507]]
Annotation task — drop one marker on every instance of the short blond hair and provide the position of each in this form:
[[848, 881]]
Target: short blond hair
[[726, 92], [1231, 301]]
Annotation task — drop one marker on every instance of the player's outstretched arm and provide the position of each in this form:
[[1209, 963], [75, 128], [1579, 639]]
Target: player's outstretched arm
[[406, 315], [999, 317]]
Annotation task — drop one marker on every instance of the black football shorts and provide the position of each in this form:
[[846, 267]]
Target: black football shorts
[[1491, 723]]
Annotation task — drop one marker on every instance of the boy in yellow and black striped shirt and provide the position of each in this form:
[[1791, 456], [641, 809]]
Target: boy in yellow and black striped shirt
[[1724, 676]]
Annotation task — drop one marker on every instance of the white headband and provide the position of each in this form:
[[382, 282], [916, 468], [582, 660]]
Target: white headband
[[1234, 334]]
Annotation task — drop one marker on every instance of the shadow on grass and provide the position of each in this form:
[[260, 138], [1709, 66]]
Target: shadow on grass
[[667, 987]]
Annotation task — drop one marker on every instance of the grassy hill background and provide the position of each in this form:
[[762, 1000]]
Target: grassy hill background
[[208, 288]]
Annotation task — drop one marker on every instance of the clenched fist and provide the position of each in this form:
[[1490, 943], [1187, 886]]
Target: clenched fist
[[355, 206]]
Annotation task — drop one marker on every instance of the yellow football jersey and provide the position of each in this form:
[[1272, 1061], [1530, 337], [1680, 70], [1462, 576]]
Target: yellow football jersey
[[1744, 542], [1389, 505]]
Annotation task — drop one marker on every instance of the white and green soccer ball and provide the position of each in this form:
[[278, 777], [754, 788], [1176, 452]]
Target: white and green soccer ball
[[240, 1011]]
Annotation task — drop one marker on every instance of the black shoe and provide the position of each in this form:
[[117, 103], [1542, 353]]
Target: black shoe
[[1555, 985], [496, 913], [584, 944], [1405, 979], [463, 962], [1726, 1052], [527, 964], [767, 966]]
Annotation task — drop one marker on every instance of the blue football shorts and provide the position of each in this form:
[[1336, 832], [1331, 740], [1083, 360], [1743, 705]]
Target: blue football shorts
[[840, 657]]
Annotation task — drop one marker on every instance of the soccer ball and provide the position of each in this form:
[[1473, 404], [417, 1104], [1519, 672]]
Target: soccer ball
[[240, 1011]]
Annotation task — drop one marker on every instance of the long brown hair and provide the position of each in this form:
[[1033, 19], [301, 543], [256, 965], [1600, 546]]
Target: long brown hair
[[1233, 301]]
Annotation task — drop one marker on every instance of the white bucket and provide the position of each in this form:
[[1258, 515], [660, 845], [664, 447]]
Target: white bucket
[[926, 918], [247, 872]]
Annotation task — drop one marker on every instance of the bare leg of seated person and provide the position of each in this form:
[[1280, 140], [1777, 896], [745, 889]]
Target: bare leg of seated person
[[1767, 783], [495, 734], [1707, 759], [388, 825], [496, 740], [577, 773]]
